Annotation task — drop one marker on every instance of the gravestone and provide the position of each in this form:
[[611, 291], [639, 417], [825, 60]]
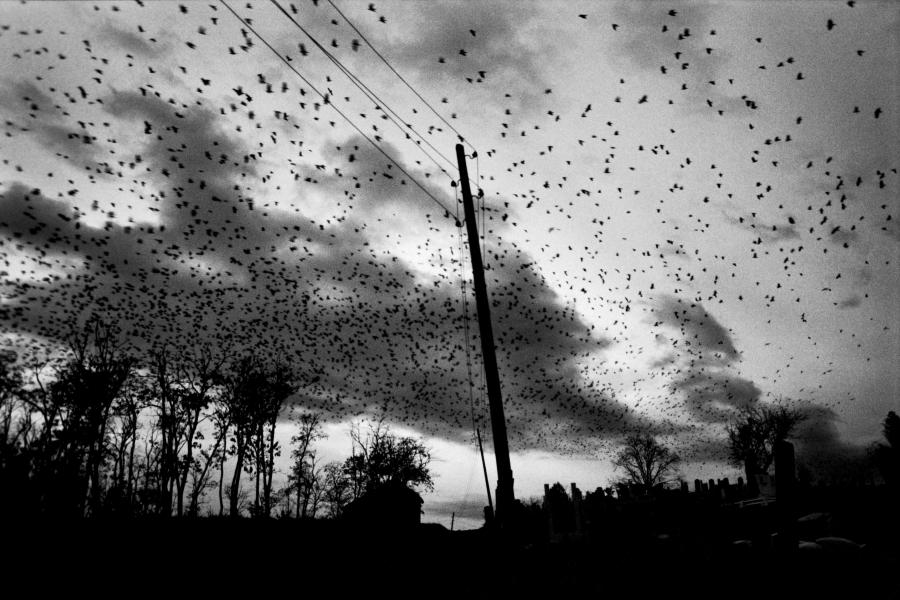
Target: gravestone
[[786, 497], [577, 509]]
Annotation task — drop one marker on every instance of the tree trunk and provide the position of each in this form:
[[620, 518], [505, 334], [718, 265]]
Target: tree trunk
[[179, 496], [95, 459], [129, 486], [236, 478], [165, 496], [306, 494], [258, 453], [221, 483], [270, 470]]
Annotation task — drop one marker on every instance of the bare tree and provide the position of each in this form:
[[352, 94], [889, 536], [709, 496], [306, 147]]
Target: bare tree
[[201, 478], [16, 424], [198, 376], [167, 403], [10, 389], [86, 388], [303, 475], [240, 384], [646, 462], [127, 412], [279, 387], [380, 457], [254, 395], [336, 489], [753, 434], [148, 472], [222, 422]]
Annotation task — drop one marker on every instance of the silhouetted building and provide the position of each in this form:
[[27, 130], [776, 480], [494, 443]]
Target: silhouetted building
[[391, 505]]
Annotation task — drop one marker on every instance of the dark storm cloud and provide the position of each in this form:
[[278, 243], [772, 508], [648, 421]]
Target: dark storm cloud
[[367, 175], [767, 232], [128, 40], [403, 354], [820, 450], [843, 236], [382, 339], [34, 113], [540, 343], [202, 171], [442, 30], [697, 326], [183, 275], [54, 228], [647, 46], [851, 302], [667, 359], [712, 395], [703, 448], [705, 375], [30, 217], [205, 156], [128, 273]]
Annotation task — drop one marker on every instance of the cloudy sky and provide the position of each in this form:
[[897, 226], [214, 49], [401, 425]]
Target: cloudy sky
[[688, 208]]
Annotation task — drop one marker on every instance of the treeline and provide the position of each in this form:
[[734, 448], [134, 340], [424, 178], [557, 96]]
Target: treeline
[[105, 430]]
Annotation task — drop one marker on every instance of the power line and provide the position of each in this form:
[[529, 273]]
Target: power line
[[326, 101], [370, 94], [378, 101], [418, 95], [367, 91]]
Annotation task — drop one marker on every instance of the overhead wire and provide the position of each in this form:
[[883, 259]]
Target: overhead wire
[[339, 111], [399, 122], [403, 79], [367, 91]]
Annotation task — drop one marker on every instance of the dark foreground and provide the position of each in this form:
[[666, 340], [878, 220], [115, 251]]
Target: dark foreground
[[278, 558]]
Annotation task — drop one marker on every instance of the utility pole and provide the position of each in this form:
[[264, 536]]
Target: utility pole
[[505, 496]]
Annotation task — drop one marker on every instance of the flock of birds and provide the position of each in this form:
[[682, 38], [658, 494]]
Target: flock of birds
[[149, 215]]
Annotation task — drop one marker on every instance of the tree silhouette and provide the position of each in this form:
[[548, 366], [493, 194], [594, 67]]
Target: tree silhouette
[[380, 457], [336, 488], [241, 383], [124, 440], [891, 430], [646, 462], [254, 393], [887, 456], [83, 395], [753, 434], [198, 375], [279, 386], [305, 475], [95, 432], [15, 426], [169, 423], [10, 388]]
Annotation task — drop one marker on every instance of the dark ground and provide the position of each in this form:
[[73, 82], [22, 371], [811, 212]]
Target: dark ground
[[245, 558]]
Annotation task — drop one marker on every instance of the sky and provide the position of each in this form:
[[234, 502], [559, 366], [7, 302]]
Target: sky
[[687, 209]]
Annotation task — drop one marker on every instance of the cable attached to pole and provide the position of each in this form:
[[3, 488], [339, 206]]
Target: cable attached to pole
[[327, 101]]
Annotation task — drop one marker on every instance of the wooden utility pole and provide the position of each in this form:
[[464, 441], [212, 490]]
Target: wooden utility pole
[[505, 496]]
